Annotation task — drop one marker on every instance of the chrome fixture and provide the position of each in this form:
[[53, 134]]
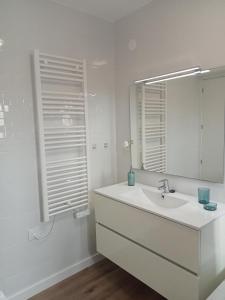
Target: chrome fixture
[[164, 187]]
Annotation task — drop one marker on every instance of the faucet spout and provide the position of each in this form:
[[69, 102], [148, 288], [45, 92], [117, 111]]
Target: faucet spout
[[164, 187]]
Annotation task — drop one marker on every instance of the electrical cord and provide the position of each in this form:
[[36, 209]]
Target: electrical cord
[[41, 237]]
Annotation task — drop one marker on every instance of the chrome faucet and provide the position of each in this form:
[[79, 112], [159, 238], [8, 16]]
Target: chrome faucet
[[164, 187]]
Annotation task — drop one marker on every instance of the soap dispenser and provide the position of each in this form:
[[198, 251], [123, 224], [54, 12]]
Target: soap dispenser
[[131, 177]]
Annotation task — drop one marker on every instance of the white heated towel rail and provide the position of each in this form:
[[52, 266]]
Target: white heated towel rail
[[61, 115], [154, 150]]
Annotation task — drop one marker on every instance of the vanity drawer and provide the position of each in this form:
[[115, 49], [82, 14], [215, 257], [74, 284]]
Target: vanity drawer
[[171, 240], [166, 278]]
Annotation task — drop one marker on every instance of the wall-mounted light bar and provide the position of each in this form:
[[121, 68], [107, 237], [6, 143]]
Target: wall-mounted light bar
[[170, 78], [173, 75]]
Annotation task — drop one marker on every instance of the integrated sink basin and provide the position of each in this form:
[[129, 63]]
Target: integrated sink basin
[[168, 201], [155, 197]]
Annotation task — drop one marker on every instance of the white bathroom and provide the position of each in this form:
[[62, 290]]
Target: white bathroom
[[112, 149]]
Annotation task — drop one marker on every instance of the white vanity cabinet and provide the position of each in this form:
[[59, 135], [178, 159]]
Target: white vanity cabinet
[[177, 261]]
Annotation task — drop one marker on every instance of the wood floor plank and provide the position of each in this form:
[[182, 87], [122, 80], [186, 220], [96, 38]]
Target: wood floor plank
[[103, 281]]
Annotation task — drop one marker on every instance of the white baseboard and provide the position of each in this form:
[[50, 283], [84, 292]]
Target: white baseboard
[[55, 278]]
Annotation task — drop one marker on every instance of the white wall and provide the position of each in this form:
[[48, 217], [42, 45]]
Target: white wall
[[26, 25], [170, 35]]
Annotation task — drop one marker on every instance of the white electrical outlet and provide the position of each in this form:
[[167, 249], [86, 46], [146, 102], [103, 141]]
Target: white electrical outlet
[[41, 231], [31, 233], [36, 231]]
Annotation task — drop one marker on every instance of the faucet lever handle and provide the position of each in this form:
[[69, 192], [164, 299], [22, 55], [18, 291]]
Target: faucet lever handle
[[163, 180]]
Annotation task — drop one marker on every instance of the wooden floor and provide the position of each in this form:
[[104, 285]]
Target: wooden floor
[[103, 281]]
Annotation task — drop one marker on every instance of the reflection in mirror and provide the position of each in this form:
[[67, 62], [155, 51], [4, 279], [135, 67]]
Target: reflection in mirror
[[177, 126]]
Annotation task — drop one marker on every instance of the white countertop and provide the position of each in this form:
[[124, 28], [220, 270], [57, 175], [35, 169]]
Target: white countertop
[[191, 214]]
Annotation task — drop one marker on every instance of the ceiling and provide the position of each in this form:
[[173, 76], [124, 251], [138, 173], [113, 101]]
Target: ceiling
[[110, 10]]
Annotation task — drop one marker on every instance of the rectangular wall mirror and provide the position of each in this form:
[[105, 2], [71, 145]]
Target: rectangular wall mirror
[[177, 124]]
